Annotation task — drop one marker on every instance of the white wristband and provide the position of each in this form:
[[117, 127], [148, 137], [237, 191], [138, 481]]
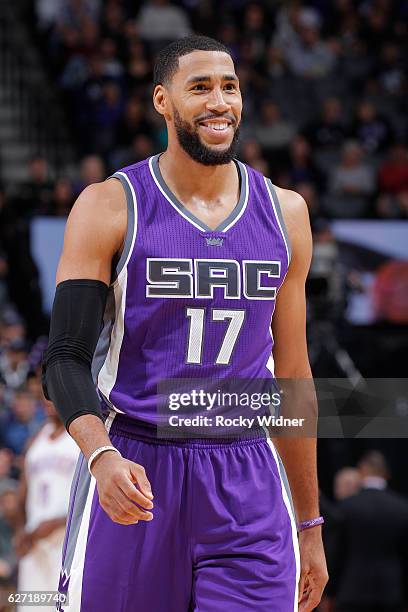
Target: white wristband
[[98, 452]]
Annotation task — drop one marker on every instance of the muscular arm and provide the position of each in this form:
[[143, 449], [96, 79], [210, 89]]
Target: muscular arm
[[291, 358], [292, 364], [94, 233]]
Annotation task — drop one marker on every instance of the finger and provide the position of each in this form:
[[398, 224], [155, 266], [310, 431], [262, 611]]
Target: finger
[[116, 513], [311, 601], [129, 507], [132, 493], [119, 508], [139, 476], [301, 586]]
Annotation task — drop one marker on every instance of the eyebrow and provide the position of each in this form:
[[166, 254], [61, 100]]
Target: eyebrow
[[205, 78]]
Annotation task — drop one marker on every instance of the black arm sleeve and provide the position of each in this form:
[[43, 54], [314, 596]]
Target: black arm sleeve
[[76, 322]]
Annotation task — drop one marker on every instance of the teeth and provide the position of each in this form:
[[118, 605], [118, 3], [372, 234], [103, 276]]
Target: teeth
[[217, 126]]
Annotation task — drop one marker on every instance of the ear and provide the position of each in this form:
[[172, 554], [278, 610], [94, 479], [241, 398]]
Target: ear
[[161, 101]]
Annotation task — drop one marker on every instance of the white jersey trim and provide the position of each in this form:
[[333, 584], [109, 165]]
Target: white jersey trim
[[272, 197], [109, 370], [169, 199]]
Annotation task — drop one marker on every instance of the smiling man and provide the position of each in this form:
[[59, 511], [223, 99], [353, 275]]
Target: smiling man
[[179, 260]]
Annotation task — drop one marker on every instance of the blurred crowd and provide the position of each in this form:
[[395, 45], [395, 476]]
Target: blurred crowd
[[324, 87]]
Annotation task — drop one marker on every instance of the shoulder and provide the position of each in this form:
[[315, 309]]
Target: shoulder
[[107, 196], [101, 206], [294, 208], [295, 215]]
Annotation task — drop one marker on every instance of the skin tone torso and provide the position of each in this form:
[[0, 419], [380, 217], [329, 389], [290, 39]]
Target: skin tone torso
[[210, 193]]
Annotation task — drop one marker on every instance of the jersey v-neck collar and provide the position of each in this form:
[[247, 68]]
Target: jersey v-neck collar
[[227, 223]]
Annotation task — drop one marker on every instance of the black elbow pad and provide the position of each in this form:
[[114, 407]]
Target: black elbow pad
[[76, 322]]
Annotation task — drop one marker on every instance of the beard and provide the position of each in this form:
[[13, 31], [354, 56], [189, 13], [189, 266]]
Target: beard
[[190, 141]]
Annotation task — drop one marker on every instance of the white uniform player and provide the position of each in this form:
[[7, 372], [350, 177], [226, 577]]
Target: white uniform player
[[48, 469]]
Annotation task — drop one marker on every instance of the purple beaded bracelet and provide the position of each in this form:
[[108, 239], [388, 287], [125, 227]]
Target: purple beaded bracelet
[[311, 523]]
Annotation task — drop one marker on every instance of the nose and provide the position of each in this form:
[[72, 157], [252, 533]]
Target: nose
[[216, 101]]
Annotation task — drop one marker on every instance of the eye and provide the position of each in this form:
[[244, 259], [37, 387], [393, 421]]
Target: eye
[[199, 87], [230, 87]]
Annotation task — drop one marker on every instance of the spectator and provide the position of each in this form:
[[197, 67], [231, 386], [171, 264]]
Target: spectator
[[371, 130], [347, 482], [255, 29], [49, 465], [372, 543], [63, 197], [275, 65], [328, 133], [141, 148], [112, 66], [34, 196], [351, 184], [389, 70], [22, 422], [161, 22], [301, 166], [251, 154], [12, 328], [138, 68], [376, 27], [229, 36], [272, 131], [34, 387], [309, 194], [10, 520], [92, 170], [393, 173], [14, 364], [106, 118], [309, 57], [132, 123], [76, 11], [6, 462], [113, 22], [47, 12], [388, 206]]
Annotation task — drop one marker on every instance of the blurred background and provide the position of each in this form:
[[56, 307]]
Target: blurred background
[[325, 92]]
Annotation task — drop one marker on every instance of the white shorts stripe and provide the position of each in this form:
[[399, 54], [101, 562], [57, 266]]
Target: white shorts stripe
[[78, 561], [293, 524]]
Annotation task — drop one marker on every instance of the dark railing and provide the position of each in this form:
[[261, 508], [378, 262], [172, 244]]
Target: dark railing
[[29, 95]]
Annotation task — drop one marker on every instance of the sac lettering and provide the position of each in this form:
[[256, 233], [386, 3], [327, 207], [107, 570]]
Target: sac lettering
[[197, 278]]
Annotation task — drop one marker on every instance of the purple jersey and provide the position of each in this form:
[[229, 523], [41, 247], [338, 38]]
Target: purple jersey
[[188, 301]]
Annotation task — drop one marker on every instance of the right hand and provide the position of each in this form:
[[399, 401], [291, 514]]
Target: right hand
[[121, 485]]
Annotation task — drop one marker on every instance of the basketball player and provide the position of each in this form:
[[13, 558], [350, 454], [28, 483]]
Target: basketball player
[[179, 259], [49, 465]]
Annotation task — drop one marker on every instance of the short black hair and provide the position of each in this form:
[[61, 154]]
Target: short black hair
[[166, 64]]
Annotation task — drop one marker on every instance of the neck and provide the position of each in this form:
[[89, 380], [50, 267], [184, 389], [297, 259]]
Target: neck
[[196, 180]]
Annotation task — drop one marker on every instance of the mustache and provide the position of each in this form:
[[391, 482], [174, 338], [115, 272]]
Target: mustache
[[208, 117]]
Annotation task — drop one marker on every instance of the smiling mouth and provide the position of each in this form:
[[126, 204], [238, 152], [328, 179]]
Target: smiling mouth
[[218, 126]]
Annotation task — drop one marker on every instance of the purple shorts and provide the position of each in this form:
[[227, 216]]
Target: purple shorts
[[223, 535]]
